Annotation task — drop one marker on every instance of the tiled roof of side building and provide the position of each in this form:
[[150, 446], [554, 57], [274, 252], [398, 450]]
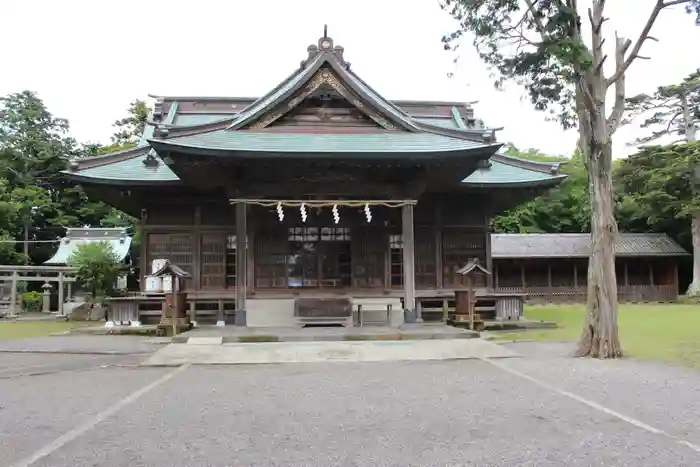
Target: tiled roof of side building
[[117, 238], [577, 245]]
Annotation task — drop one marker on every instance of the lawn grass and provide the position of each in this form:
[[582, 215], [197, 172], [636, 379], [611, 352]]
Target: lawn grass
[[13, 330], [665, 332]]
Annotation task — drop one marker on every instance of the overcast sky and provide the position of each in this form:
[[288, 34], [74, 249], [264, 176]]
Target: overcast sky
[[88, 59]]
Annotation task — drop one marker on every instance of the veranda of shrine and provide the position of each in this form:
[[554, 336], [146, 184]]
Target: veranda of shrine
[[330, 189]]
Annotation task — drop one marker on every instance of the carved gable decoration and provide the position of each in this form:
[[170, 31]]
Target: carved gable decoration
[[323, 92]]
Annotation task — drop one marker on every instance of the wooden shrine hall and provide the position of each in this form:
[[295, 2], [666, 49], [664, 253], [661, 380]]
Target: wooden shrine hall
[[334, 194]]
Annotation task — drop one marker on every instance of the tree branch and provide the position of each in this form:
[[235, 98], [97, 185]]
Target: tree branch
[[643, 36], [621, 46], [536, 19]]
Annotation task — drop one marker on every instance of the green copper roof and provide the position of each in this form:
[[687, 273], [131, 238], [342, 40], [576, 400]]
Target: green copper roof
[[116, 238], [268, 141], [132, 169], [500, 173]]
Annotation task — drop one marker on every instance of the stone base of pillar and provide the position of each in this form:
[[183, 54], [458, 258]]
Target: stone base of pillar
[[221, 323], [109, 324], [136, 324], [240, 318], [409, 316], [194, 324]]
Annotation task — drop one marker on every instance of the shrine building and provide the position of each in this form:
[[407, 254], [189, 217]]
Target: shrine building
[[331, 190]]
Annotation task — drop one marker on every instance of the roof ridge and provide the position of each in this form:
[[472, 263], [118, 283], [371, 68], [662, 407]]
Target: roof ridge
[[545, 167], [104, 159]]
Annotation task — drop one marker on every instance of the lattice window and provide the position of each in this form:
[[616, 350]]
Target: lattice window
[[459, 245], [396, 260], [230, 261], [178, 248], [213, 261], [426, 267]]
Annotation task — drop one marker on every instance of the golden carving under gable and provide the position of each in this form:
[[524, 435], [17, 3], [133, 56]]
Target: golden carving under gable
[[323, 77]]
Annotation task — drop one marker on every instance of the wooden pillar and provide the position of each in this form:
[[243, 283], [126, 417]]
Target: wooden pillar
[[626, 278], [651, 273], [197, 249], [409, 271], [250, 262], [144, 267], [60, 293], [674, 295], [13, 294], [241, 263], [489, 259], [439, 283], [575, 277], [495, 276]]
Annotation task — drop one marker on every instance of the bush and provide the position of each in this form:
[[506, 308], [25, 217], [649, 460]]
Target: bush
[[97, 266], [32, 301]]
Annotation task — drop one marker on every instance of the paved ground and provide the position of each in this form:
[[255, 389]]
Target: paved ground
[[84, 344], [413, 331], [541, 410]]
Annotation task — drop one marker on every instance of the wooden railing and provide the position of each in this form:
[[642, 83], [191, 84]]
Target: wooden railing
[[629, 293]]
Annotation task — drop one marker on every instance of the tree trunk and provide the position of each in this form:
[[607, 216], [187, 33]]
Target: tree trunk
[[599, 338], [694, 288]]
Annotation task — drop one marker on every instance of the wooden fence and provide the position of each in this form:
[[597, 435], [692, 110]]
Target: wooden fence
[[629, 293]]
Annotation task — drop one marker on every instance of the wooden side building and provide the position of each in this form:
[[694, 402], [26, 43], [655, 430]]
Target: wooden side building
[[330, 190], [554, 267]]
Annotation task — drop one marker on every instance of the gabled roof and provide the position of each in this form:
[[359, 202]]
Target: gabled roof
[[117, 238], [236, 126], [577, 245]]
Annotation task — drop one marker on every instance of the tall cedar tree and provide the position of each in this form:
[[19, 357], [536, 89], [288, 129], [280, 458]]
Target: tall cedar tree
[[673, 111], [540, 44]]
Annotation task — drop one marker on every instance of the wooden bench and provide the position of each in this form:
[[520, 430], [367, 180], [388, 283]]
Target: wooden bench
[[379, 313], [323, 311]]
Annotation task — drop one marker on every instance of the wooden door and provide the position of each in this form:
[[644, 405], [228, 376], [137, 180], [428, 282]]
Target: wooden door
[[369, 246]]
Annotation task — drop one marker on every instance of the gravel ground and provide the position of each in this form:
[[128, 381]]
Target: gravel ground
[[664, 396], [34, 364], [441, 413]]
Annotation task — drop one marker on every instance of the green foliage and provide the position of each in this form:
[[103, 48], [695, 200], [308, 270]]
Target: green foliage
[[32, 301], [537, 44], [130, 128], [662, 112], [659, 181], [98, 266], [34, 149], [565, 208]]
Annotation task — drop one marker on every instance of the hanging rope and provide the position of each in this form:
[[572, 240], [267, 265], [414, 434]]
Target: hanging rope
[[321, 203]]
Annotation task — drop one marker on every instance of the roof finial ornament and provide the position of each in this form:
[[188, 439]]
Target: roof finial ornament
[[325, 31]]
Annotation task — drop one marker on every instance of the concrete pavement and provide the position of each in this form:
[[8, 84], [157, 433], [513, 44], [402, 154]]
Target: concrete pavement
[[211, 350]]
